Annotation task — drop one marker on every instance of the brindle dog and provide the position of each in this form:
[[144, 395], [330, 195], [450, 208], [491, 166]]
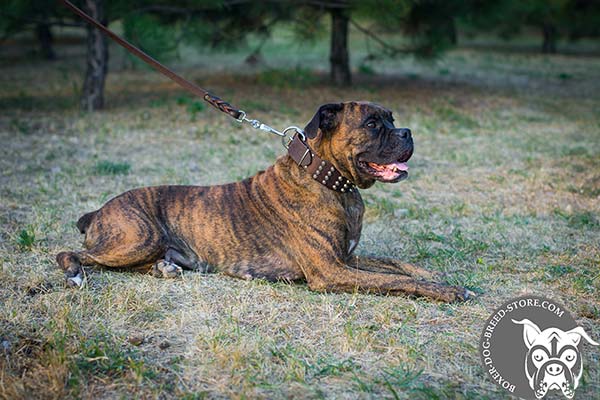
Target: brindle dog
[[280, 224]]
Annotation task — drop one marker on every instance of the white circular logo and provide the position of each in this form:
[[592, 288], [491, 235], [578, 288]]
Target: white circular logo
[[531, 346]]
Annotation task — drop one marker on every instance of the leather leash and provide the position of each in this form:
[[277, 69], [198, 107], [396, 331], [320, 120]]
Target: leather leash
[[298, 149]]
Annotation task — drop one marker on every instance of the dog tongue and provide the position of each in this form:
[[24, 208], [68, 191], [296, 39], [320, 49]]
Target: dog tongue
[[390, 167], [389, 171], [399, 166]]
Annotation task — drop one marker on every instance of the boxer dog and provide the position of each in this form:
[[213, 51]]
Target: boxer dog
[[553, 361], [299, 220]]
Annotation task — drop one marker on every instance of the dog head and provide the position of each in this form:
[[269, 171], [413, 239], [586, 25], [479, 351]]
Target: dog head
[[553, 361], [361, 141]]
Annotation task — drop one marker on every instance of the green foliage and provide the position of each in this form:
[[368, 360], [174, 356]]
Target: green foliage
[[507, 17], [26, 238], [151, 35], [225, 25], [584, 19], [366, 69], [555, 18], [385, 13], [309, 25], [18, 15], [429, 27]]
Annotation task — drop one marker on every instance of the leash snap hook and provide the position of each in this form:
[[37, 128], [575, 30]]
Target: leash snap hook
[[285, 138], [256, 124], [242, 118]]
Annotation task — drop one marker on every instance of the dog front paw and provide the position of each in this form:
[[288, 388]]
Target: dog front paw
[[75, 281], [463, 294]]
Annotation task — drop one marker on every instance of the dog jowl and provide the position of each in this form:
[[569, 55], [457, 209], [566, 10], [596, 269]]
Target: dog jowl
[[280, 224], [553, 360]]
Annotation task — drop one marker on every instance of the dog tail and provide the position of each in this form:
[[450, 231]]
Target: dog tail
[[84, 221]]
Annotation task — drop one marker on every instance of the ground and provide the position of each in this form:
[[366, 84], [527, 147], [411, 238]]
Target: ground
[[503, 197]]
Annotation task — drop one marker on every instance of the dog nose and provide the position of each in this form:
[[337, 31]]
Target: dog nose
[[404, 133], [554, 369]]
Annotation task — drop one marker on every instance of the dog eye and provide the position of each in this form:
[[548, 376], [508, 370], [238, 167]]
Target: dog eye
[[538, 355], [371, 124], [569, 355]]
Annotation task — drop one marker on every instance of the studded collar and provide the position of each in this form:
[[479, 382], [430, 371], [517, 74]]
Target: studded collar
[[321, 170]]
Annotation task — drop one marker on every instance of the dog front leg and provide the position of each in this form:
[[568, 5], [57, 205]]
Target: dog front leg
[[388, 266], [335, 276]]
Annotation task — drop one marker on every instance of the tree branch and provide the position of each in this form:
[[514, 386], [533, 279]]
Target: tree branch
[[391, 51]]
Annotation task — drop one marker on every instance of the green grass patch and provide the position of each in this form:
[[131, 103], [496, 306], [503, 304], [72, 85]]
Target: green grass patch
[[449, 248], [192, 106], [581, 219], [26, 238], [558, 271], [455, 117], [106, 167], [379, 206]]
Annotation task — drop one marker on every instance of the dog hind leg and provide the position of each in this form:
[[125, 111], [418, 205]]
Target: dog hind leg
[[115, 246], [70, 262], [166, 269]]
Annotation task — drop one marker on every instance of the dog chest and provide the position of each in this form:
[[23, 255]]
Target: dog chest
[[353, 209]]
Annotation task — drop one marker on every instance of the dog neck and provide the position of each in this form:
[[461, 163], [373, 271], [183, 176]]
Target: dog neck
[[321, 170]]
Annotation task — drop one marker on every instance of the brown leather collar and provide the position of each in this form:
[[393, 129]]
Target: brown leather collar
[[322, 171]]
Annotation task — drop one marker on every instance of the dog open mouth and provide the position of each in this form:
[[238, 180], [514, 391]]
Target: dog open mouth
[[391, 172]]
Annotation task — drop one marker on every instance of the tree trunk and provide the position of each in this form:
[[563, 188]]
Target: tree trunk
[[338, 57], [44, 36], [452, 32], [97, 59], [550, 38]]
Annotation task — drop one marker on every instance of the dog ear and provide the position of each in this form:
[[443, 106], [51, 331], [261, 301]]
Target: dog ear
[[325, 119], [576, 334], [530, 331]]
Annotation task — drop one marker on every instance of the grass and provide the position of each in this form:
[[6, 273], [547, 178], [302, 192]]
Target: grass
[[26, 238], [106, 167], [502, 198]]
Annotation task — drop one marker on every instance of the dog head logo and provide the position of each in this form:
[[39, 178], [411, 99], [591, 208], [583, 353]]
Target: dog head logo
[[553, 360]]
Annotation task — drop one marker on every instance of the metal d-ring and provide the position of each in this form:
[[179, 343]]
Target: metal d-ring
[[286, 140], [242, 116]]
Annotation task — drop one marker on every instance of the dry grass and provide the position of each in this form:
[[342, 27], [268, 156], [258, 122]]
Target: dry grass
[[503, 198]]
